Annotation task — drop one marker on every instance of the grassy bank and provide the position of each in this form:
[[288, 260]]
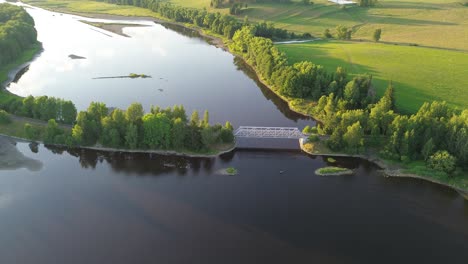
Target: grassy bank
[[419, 74], [16, 129], [25, 57]]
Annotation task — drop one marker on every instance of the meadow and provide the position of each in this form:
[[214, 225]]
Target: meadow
[[418, 74], [435, 23]]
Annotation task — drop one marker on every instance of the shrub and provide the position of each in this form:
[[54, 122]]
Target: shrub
[[313, 138], [442, 161], [4, 117], [31, 132], [327, 34]]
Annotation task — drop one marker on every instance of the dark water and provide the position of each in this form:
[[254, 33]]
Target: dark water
[[89, 207]]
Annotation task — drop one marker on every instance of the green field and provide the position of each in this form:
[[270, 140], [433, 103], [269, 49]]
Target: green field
[[92, 7], [418, 74], [438, 23]]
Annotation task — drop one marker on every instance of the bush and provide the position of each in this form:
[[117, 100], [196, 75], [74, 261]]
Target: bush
[[32, 132], [442, 161], [4, 117], [313, 138]]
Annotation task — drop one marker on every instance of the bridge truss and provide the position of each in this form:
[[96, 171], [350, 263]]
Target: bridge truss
[[268, 132]]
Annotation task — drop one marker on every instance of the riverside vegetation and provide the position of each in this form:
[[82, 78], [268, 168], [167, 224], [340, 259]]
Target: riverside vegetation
[[161, 129], [351, 112]]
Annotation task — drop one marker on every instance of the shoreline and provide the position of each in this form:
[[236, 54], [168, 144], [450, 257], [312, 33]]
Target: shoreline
[[16, 69], [130, 151], [218, 42], [386, 170]]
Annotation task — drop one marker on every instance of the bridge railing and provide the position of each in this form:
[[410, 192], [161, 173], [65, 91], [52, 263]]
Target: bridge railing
[[268, 132]]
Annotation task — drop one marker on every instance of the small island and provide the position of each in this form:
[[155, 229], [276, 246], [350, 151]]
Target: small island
[[333, 171], [231, 171]]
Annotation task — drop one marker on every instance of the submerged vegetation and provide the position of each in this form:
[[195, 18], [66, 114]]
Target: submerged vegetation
[[329, 171]]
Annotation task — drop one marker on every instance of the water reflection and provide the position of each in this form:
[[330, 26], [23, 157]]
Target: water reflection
[[185, 69], [12, 159]]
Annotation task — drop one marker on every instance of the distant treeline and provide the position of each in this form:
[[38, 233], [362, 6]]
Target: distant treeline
[[220, 24], [17, 32]]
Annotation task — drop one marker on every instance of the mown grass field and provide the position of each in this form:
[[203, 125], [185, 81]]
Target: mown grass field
[[438, 23], [419, 74]]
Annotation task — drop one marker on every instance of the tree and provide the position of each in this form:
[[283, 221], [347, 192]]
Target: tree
[[68, 112], [206, 119], [52, 130], [377, 34], [77, 135], [353, 137], [31, 132], [194, 119], [342, 32], [442, 161], [28, 106], [428, 149], [178, 133], [4, 117], [306, 2], [327, 34], [134, 112], [131, 136]]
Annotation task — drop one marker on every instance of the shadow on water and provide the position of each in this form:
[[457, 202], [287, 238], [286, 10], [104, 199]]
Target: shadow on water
[[280, 104]]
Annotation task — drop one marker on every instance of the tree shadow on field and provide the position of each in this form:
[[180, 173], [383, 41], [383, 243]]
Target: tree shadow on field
[[321, 55], [382, 19], [409, 5]]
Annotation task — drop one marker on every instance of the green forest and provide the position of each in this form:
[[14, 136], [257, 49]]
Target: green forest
[[17, 32]]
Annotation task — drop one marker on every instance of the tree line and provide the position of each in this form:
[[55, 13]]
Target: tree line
[[159, 129], [17, 32], [351, 115], [43, 108], [218, 23]]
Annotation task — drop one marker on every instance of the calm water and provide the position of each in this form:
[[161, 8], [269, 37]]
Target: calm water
[[91, 207], [88, 207], [185, 70]]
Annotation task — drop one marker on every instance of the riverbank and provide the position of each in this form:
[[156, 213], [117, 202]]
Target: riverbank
[[388, 170], [9, 71], [209, 154], [296, 105]]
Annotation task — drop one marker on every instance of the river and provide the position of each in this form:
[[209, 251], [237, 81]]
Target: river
[[78, 206]]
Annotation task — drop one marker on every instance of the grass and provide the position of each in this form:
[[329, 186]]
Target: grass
[[418, 74], [16, 129], [438, 23], [92, 7], [458, 179], [231, 171], [333, 171]]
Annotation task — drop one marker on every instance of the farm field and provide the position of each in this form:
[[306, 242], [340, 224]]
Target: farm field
[[418, 74], [436, 23]]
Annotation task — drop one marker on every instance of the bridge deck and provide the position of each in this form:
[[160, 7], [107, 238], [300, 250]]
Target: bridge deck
[[268, 132]]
